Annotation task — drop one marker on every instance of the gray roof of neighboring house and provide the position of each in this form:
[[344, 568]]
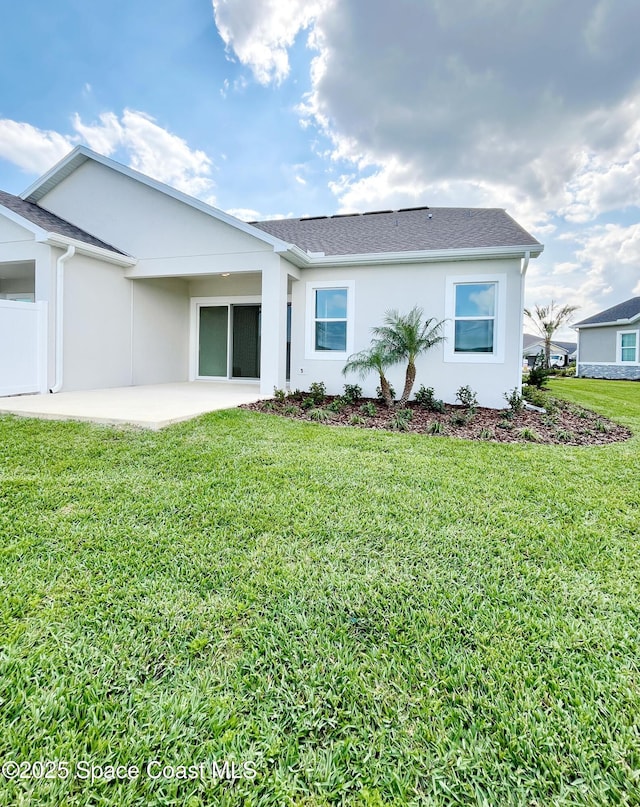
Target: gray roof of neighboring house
[[407, 229], [529, 339], [50, 222], [623, 311]]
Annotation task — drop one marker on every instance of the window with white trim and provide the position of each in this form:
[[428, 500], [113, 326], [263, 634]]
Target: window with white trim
[[475, 318], [330, 319], [628, 346]]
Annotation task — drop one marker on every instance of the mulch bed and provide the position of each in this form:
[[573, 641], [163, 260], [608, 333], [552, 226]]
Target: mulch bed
[[562, 424]]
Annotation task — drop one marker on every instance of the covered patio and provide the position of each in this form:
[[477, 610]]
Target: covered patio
[[152, 406]]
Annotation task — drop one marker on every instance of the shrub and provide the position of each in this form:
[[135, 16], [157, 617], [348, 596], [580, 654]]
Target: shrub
[[564, 435], [317, 392], [400, 419], [436, 427], [291, 409], [535, 396], [352, 392], [486, 433], [268, 406], [356, 420], [337, 405], [529, 434], [538, 374], [461, 418], [320, 415], [426, 399], [602, 426], [307, 402], [425, 396], [279, 394], [467, 398], [515, 400], [369, 409]]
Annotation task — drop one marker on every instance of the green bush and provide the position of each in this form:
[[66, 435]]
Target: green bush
[[400, 419], [515, 400], [369, 409], [321, 415], [425, 396], [317, 392], [467, 398], [352, 392], [436, 427]]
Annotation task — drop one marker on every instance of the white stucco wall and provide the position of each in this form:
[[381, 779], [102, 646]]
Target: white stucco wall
[[237, 285], [380, 288], [160, 330], [167, 236], [97, 325]]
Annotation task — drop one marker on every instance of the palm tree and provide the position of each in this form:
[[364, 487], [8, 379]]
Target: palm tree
[[546, 319], [404, 337], [373, 359]]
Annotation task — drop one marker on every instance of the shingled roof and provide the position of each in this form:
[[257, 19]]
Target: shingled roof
[[408, 229], [50, 222], [623, 312]]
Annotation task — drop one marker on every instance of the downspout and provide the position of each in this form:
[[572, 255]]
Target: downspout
[[71, 251], [523, 272]]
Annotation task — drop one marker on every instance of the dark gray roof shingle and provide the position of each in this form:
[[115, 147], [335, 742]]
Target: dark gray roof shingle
[[50, 222], [402, 230], [626, 310]]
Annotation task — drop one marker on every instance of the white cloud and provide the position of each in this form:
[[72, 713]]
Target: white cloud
[[134, 137], [151, 149], [504, 103], [260, 32], [31, 149]]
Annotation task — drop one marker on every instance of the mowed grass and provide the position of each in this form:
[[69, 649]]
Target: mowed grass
[[366, 618]]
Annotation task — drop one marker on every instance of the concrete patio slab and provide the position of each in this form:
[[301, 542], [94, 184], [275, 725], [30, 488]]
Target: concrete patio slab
[[152, 407]]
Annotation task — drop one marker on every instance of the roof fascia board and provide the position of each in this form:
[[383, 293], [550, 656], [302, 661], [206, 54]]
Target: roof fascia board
[[628, 321], [21, 221], [302, 258], [81, 154], [57, 240]]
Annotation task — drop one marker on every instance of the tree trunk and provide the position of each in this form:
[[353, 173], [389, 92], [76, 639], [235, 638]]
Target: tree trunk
[[547, 353], [409, 380], [386, 391]]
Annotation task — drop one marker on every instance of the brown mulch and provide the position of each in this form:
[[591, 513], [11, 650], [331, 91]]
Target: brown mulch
[[563, 424]]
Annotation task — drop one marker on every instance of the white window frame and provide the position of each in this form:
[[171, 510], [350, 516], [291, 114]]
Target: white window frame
[[636, 361], [499, 320], [310, 337]]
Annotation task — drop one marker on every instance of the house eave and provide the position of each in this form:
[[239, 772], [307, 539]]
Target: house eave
[[56, 240], [613, 322], [303, 259], [80, 154]]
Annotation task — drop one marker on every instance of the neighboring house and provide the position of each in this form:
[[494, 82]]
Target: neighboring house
[[609, 342], [561, 352], [122, 280]]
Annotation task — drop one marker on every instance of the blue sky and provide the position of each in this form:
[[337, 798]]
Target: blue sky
[[300, 107]]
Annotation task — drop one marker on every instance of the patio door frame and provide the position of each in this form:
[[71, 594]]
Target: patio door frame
[[194, 334]]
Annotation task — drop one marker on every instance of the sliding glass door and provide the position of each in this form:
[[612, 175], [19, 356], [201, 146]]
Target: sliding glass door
[[213, 345], [229, 341]]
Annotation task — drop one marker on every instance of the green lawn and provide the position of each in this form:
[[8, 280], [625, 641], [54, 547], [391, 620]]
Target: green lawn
[[365, 618]]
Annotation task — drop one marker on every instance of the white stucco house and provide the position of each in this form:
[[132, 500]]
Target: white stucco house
[[109, 278]]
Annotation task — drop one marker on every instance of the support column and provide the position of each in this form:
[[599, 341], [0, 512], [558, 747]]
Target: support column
[[273, 350]]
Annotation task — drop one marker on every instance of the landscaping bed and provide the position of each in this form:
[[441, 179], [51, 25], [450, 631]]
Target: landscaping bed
[[562, 423]]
